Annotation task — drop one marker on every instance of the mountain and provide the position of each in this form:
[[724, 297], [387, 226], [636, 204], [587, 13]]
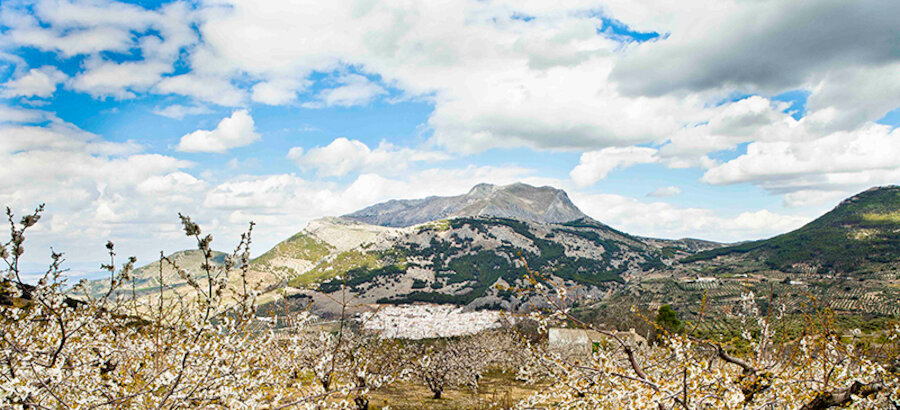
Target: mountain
[[516, 201], [466, 250], [861, 233], [463, 260]]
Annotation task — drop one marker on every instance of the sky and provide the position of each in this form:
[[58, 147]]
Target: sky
[[725, 120]]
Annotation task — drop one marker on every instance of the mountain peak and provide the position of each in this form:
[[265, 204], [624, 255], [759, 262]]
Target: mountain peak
[[515, 201]]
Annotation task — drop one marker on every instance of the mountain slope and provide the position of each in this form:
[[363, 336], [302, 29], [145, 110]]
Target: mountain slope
[[515, 201], [462, 260], [862, 231]]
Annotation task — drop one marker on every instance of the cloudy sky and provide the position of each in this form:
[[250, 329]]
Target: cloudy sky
[[719, 119]]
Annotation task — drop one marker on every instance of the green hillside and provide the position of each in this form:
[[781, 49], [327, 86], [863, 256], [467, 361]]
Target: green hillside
[[862, 231]]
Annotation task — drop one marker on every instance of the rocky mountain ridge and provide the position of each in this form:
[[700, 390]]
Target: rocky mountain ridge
[[516, 201]]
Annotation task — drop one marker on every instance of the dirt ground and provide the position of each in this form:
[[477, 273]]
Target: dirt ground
[[496, 391]]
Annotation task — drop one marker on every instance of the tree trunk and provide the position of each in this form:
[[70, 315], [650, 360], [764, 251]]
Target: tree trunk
[[842, 396]]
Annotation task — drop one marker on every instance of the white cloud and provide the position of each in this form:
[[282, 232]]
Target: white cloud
[[27, 32], [37, 82], [178, 111], [216, 90], [343, 156], [119, 80], [853, 96], [663, 192], [495, 81], [73, 28], [752, 118], [552, 82], [278, 91], [172, 184], [596, 165], [94, 189], [663, 220], [812, 197], [354, 90], [22, 115], [839, 160], [232, 132]]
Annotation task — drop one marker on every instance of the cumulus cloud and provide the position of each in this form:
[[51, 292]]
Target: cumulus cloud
[[847, 98], [555, 81], [36, 82], [596, 165], [665, 191], [232, 132], [839, 160], [343, 156]]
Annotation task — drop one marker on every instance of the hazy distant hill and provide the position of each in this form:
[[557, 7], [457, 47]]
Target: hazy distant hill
[[147, 276], [862, 231], [516, 201]]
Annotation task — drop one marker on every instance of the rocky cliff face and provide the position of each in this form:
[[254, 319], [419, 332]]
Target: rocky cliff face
[[516, 201]]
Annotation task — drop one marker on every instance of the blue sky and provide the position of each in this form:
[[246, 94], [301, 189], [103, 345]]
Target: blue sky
[[739, 122]]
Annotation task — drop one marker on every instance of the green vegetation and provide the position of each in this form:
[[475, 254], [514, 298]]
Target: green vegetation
[[340, 265], [357, 277], [299, 246], [439, 226], [668, 319], [887, 217]]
